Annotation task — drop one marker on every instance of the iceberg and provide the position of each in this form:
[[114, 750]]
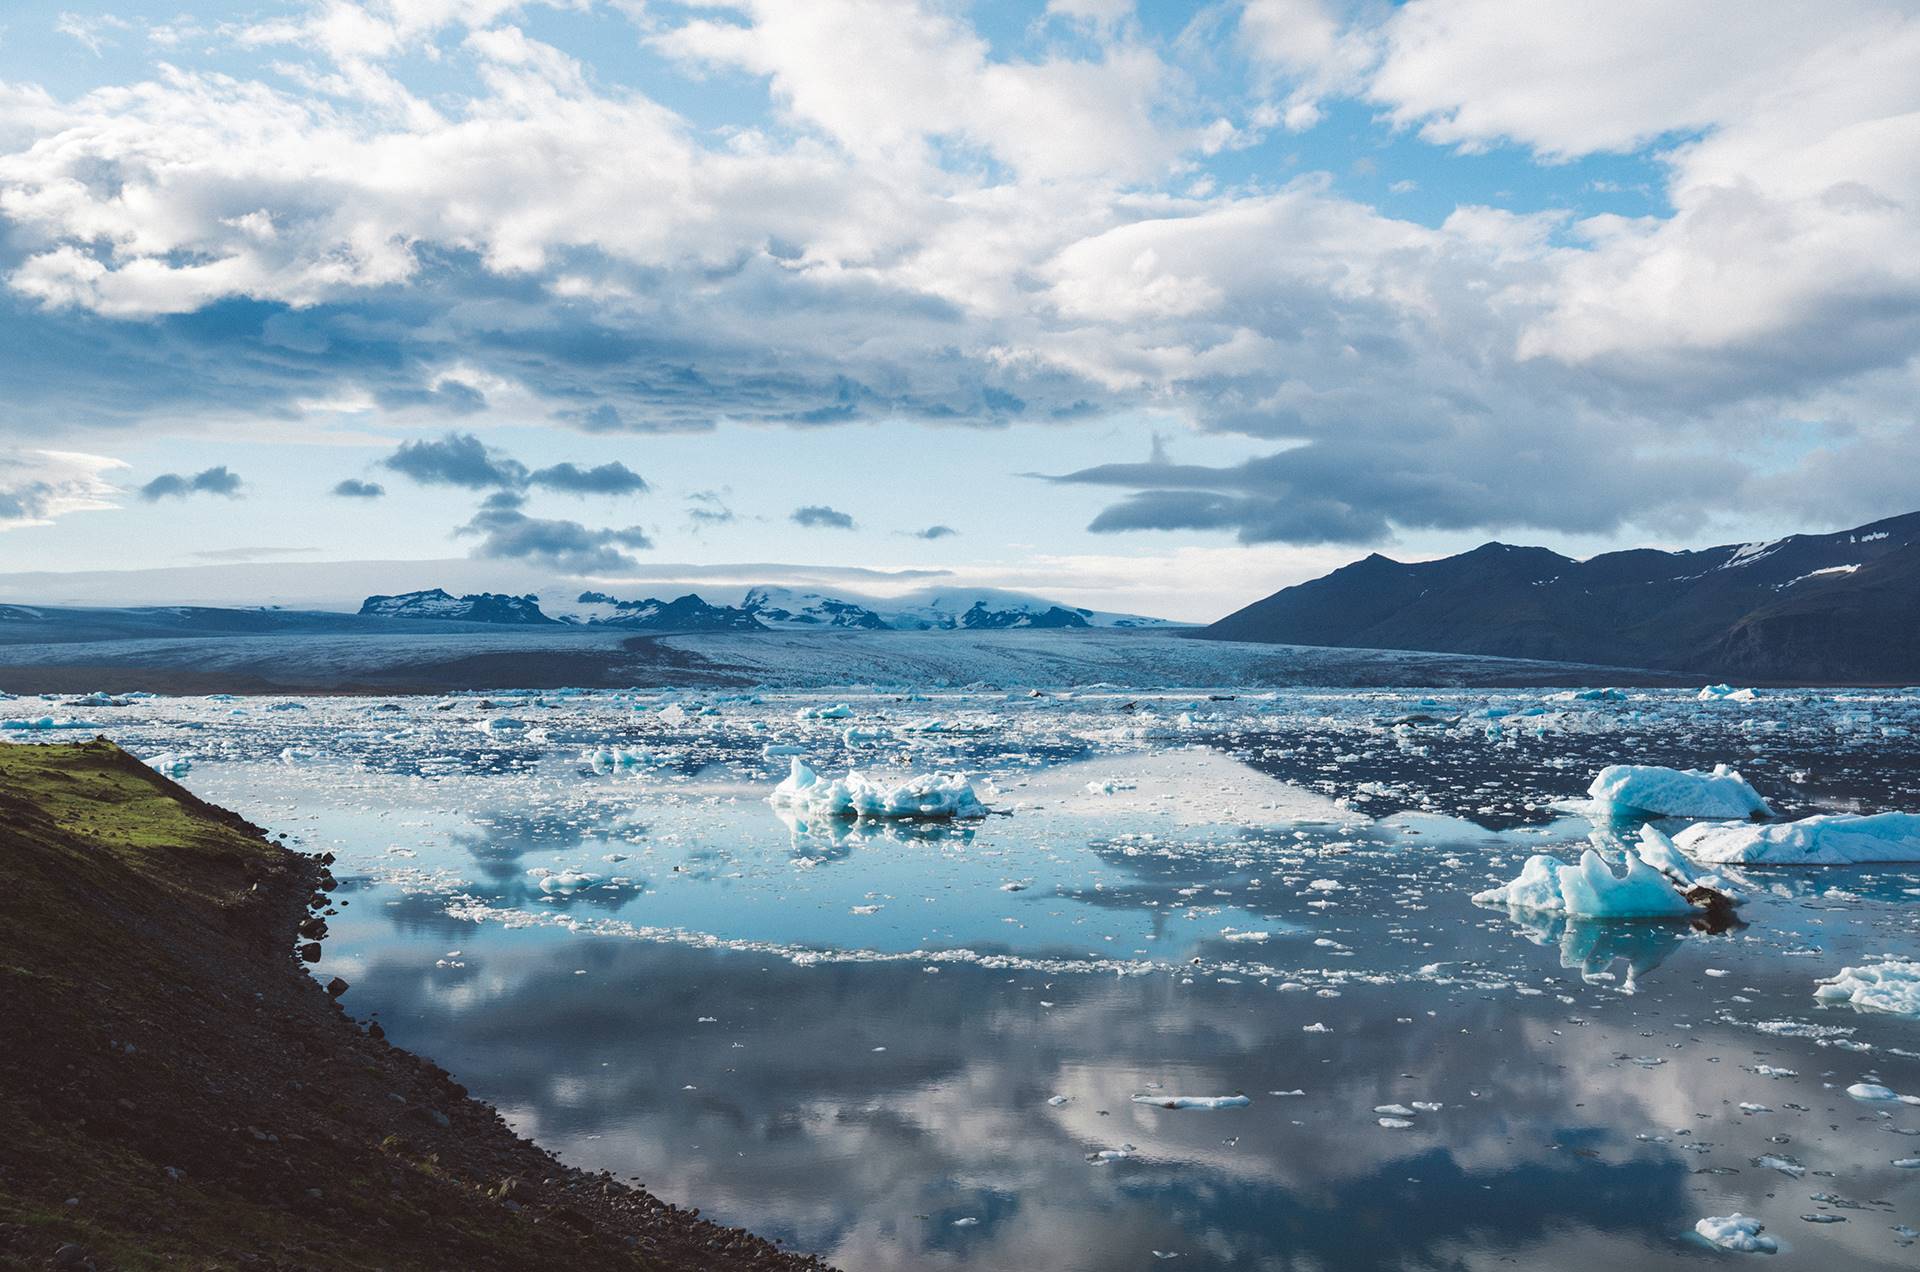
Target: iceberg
[[944, 795], [1824, 839], [1892, 987], [1736, 1232], [171, 764], [1660, 852], [1652, 791], [1726, 693], [1193, 1101], [614, 759], [1590, 890]]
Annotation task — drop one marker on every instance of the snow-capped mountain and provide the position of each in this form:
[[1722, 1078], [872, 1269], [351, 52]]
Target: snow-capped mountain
[[685, 614], [932, 609], [793, 610], [476, 607]]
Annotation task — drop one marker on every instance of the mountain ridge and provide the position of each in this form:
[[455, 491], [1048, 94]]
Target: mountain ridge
[[1836, 607]]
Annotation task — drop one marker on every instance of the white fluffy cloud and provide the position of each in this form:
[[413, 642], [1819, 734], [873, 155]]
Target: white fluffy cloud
[[921, 225], [37, 486]]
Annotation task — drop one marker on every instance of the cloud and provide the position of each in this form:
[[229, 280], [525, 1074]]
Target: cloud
[[462, 459], [608, 479], [708, 508], [354, 488], [36, 486], [506, 533], [934, 532], [206, 245], [821, 517], [458, 459], [231, 555], [218, 480]]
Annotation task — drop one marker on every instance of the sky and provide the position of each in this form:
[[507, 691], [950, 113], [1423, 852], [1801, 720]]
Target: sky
[[1153, 308]]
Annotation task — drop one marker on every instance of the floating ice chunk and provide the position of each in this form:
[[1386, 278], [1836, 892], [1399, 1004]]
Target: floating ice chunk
[[1738, 1233], [1825, 839], [1253, 937], [614, 759], [1874, 1093], [295, 755], [1194, 1101], [1395, 1123], [171, 764], [43, 723], [1664, 792], [1658, 851], [838, 711], [501, 726], [1726, 693], [929, 795], [566, 882], [1109, 786], [1878, 986], [1589, 890], [1393, 1110]]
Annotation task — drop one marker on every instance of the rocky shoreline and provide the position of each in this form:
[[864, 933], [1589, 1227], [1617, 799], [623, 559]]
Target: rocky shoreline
[[179, 1091]]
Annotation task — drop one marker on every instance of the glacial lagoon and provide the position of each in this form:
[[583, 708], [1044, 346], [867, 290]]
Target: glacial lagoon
[[1205, 989]]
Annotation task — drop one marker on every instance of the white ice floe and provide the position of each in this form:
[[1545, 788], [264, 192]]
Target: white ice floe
[[1653, 791], [855, 795], [614, 759], [1590, 890], [1890, 987], [1825, 839], [565, 882], [1874, 1093], [1194, 1101], [1727, 693], [171, 764], [1737, 1232], [1658, 851]]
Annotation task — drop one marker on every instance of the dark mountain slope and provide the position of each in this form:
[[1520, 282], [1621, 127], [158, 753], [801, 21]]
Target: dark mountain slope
[[1832, 607]]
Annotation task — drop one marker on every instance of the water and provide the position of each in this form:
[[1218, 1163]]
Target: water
[[909, 1048]]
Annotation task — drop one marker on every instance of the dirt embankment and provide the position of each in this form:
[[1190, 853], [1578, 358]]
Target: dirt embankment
[[177, 1091]]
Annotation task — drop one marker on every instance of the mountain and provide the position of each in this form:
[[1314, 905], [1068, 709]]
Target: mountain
[[1835, 608], [477, 607], [932, 609], [687, 614], [787, 608]]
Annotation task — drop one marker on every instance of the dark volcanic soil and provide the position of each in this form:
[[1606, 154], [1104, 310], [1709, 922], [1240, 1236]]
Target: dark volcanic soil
[[176, 1090]]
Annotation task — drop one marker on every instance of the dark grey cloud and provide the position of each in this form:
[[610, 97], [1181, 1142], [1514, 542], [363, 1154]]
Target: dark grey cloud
[[354, 488], [219, 480], [613, 478], [458, 459], [450, 396], [1362, 491], [462, 459], [506, 533], [934, 532], [821, 517]]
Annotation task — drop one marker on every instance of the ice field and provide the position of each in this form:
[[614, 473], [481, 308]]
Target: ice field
[[1185, 977]]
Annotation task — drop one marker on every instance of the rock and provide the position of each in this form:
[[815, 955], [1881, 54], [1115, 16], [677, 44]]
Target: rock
[[72, 1255], [336, 987], [313, 927], [310, 952]]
